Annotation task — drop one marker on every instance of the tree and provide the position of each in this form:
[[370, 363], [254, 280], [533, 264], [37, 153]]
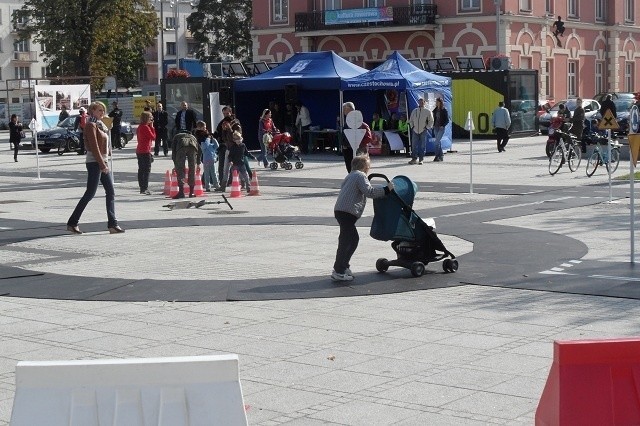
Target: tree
[[90, 37], [222, 28]]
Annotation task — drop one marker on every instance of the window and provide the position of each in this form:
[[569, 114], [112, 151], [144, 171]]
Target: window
[[525, 63], [548, 84], [22, 73], [628, 77], [21, 46], [549, 6], [332, 4], [170, 23], [280, 11], [469, 5], [572, 78], [572, 8], [599, 77], [418, 3], [171, 48], [192, 49], [601, 10], [629, 14], [525, 5], [375, 3], [142, 74]]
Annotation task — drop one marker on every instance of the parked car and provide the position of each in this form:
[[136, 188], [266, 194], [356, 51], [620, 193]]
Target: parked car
[[619, 95], [591, 107], [63, 135], [623, 111]]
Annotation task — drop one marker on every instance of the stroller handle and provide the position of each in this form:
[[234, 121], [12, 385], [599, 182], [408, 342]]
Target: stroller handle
[[378, 175]]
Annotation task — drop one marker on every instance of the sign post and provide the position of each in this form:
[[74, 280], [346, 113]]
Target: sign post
[[609, 123], [33, 125], [634, 154], [470, 127]]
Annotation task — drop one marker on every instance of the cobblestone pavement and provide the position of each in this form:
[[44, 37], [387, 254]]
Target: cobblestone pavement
[[459, 355]]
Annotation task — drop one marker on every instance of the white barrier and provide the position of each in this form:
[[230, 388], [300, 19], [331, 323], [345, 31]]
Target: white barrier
[[181, 391]]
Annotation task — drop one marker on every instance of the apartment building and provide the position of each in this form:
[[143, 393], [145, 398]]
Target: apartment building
[[597, 53]]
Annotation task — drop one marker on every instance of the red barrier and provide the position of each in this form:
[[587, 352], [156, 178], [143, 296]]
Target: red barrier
[[592, 382]]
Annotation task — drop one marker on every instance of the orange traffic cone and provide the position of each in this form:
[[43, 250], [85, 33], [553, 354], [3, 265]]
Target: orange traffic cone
[[255, 187], [167, 183], [235, 185], [174, 185], [198, 189]]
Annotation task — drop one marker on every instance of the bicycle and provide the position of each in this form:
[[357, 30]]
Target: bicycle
[[598, 158], [566, 150]]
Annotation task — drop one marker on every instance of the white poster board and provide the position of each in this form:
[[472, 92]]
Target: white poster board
[[49, 101], [216, 110], [395, 143]]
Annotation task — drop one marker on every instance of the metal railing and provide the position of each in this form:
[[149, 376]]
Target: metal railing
[[402, 16]]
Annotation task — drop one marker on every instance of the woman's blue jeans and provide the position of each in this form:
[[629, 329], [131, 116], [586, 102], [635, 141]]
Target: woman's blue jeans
[[95, 176], [439, 133]]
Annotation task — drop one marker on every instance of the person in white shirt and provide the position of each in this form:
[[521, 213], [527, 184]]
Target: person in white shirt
[[420, 121], [303, 122], [501, 121]]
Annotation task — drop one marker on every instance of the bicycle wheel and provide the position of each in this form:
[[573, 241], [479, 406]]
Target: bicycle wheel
[[592, 163], [555, 162], [575, 156], [614, 161]]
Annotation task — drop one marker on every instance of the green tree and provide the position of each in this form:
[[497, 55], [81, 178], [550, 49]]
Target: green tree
[[90, 37], [222, 28]]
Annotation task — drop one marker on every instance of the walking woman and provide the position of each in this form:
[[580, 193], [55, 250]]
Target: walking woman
[[265, 126], [96, 143], [146, 135], [15, 131], [440, 121]]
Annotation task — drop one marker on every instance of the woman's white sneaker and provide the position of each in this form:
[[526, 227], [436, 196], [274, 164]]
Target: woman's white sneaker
[[341, 277]]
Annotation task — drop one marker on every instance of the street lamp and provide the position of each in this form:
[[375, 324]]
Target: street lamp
[[498, 4]]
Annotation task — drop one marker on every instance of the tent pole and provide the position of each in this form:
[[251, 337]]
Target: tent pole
[[406, 109], [339, 135]]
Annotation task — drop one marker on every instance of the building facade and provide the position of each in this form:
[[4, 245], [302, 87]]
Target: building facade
[[597, 53], [21, 62]]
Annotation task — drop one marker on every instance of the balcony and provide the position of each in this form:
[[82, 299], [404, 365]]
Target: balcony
[[31, 56], [366, 17], [17, 26]]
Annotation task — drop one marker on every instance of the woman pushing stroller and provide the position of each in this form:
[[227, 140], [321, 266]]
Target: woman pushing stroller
[[352, 199]]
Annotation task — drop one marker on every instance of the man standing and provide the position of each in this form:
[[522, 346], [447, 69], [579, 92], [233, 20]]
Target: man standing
[[185, 146], [116, 115], [420, 121], [64, 114], [160, 123], [80, 122], [303, 122], [501, 121], [577, 124], [609, 105], [185, 119]]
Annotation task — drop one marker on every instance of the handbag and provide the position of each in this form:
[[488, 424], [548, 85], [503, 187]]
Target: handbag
[[22, 134]]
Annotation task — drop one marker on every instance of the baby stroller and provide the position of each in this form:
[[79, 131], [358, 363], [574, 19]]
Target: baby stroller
[[282, 152], [414, 240]]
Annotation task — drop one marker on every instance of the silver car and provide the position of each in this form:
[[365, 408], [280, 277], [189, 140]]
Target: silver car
[[591, 107]]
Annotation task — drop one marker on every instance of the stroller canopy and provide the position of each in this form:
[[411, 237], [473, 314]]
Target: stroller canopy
[[393, 217]]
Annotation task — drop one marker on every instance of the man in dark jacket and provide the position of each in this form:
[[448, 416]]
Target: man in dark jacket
[[185, 119], [185, 146], [160, 123], [116, 114]]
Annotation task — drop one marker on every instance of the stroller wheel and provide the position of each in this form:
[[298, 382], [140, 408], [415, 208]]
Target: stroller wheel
[[382, 264], [288, 166], [417, 269], [273, 166], [450, 265], [299, 164]]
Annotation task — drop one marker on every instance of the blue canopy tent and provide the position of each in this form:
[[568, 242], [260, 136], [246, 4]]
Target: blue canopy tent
[[316, 76], [397, 74]]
